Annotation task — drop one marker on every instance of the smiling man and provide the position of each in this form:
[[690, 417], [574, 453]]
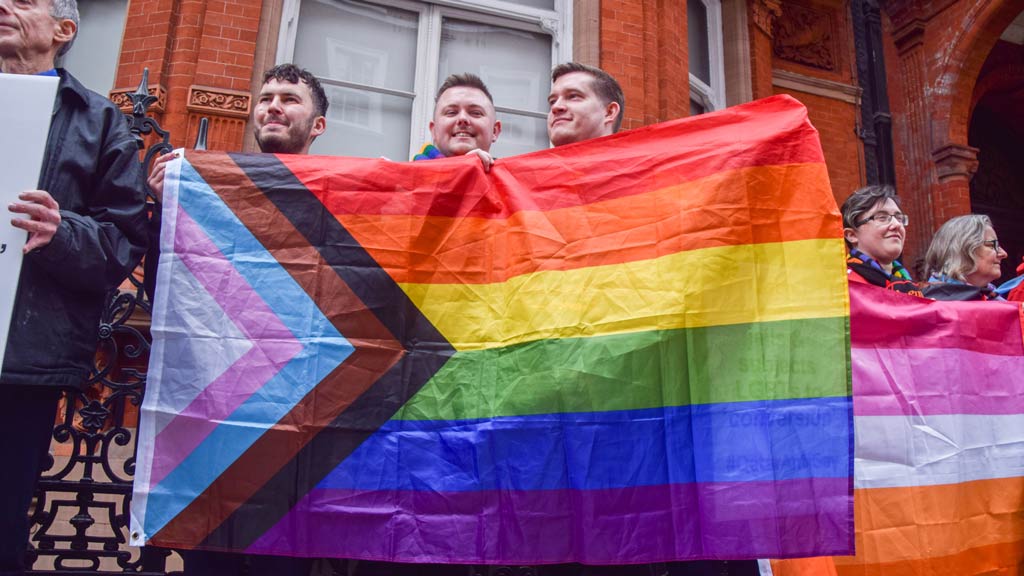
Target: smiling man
[[464, 120], [290, 112], [585, 102], [86, 227]]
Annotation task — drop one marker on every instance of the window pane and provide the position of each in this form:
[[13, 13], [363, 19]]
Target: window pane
[[519, 135], [696, 107], [93, 57], [515, 64], [361, 123], [543, 4], [351, 41], [372, 45], [697, 32]]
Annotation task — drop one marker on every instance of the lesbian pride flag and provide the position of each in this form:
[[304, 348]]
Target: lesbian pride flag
[[633, 349], [940, 439]]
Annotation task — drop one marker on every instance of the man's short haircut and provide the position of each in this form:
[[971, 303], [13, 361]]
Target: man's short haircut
[[466, 79], [293, 74], [65, 10], [606, 87]]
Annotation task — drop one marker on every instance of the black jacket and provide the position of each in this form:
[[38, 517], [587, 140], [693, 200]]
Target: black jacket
[[91, 169]]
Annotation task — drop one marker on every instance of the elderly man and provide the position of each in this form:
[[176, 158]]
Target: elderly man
[[86, 229], [585, 102], [464, 122]]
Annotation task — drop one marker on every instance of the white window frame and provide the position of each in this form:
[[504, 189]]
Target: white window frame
[[557, 23], [711, 97]]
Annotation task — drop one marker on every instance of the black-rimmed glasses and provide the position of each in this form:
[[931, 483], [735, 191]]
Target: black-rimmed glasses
[[884, 218]]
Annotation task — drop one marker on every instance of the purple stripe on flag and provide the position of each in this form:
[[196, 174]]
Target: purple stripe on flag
[[891, 382], [809, 516], [273, 346]]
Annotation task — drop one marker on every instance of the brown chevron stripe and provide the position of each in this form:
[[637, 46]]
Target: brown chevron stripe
[[376, 351]]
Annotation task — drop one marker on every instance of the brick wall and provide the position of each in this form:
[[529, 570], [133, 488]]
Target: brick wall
[[814, 40], [200, 54], [643, 45]]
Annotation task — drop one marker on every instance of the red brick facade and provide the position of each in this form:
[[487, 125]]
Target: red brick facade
[[202, 55]]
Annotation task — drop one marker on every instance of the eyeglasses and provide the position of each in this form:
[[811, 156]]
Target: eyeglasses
[[993, 244], [883, 219]]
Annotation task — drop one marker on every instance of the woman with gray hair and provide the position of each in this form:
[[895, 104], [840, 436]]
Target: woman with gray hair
[[963, 260], [874, 228]]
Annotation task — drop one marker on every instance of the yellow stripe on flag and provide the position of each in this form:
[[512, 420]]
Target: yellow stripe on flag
[[707, 287]]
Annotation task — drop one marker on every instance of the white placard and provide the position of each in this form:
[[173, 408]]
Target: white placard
[[26, 106]]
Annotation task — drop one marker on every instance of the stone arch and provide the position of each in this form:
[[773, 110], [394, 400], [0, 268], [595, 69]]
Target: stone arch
[[961, 63]]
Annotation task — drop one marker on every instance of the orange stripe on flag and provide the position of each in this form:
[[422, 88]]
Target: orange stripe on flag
[[765, 204], [820, 566]]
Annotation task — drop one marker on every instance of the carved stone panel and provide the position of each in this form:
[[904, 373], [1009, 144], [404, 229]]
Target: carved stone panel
[[764, 13], [805, 35], [218, 101], [119, 96]]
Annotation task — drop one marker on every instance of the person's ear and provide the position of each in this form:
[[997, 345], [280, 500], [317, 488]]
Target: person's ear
[[497, 130], [851, 236], [64, 30], [611, 112], [319, 126]]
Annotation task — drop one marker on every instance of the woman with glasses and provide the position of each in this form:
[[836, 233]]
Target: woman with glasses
[[963, 260], [874, 228]]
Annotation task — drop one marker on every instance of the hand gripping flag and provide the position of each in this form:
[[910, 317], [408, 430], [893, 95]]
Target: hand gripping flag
[[628, 350], [938, 390]]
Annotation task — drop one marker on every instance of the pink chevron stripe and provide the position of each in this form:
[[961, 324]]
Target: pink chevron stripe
[[273, 347], [892, 382], [887, 319]]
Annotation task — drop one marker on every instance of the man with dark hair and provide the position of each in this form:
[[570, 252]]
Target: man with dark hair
[[290, 112], [585, 102], [86, 228], [464, 121]]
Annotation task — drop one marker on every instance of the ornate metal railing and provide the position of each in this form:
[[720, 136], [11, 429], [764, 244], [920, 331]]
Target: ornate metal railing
[[81, 512]]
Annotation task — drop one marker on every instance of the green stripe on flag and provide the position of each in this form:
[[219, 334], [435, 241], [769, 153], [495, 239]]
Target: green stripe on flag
[[731, 363]]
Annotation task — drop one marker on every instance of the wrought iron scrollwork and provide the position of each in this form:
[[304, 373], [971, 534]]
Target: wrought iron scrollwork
[[81, 513]]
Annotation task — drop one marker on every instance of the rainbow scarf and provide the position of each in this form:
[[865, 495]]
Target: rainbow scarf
[[869, 269], [598, 353]]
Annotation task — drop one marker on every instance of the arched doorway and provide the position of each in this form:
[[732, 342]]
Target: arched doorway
[[997, 130]]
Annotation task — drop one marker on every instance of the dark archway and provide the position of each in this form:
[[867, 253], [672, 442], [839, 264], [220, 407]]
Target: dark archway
[[997, 131]]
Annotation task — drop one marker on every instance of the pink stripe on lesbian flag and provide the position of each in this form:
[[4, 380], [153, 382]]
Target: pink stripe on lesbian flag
[[894, 382]]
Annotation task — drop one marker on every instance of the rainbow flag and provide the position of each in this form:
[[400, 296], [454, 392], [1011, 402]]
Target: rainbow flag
[[938, 390], [628, 350]]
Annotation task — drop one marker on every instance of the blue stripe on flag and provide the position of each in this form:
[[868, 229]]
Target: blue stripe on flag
[[728, 442]]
